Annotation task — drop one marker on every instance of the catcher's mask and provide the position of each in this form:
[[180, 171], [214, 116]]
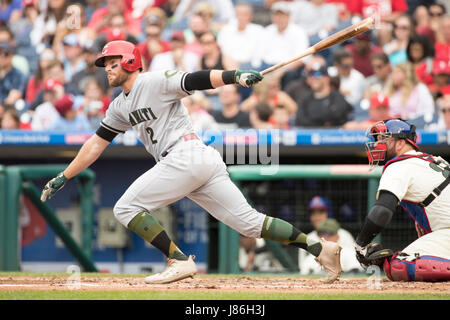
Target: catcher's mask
[[380, 132]]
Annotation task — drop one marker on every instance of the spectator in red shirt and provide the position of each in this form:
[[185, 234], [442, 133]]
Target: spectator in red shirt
[[442, 45], [423, 22], [362, 50], [385, 13], [387, 10], [420, 53], [441, 76], [153, 43], [101, 18]]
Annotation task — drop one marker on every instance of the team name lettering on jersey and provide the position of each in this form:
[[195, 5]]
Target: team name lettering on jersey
[[141, 115]]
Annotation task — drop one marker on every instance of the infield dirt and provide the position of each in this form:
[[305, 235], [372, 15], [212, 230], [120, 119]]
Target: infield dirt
[[208, 283]]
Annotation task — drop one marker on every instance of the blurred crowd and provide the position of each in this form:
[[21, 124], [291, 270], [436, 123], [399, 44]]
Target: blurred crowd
[[48, 80]]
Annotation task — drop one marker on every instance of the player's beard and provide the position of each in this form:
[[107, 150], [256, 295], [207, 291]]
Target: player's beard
[[390, 153], [119, 80]]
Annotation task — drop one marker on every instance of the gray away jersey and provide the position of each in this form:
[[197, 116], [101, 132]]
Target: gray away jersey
[[153, 109]]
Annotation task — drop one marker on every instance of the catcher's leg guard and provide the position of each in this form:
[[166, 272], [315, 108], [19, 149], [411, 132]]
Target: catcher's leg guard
[[398, 270], [432, 269]]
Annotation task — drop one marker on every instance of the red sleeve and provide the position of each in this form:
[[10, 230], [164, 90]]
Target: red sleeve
[[97, 16], [399, 6], [354, 6]]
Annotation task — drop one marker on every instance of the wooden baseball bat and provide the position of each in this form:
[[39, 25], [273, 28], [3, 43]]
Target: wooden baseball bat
[[338, 37]]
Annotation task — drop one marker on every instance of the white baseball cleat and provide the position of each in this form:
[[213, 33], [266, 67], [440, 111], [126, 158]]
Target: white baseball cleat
[[175, 270], [330, 259]]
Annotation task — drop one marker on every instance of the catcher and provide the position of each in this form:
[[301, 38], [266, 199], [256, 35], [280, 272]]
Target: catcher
[[416, 183]]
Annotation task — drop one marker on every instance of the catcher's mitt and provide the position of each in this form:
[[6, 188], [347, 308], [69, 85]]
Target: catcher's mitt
[[374, 256]]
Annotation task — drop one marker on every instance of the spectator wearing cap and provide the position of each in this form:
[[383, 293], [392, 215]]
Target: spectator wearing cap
[[298, 88], [240, 38], [153, 43], [283, 39], [12, 81], [73, 59], [323, 107], [101, 18], [378, 111], [351, 80], [362, 51], [443, 103], [69, 119], [45, 114], [90, 52], [330, 230], [177, 58], [441, 76]]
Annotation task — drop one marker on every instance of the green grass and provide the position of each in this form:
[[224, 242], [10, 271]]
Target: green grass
[[192, 295], [160, 295]]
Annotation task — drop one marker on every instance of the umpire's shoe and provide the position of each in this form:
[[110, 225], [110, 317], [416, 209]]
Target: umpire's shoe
[[176, 270], [330, 259]]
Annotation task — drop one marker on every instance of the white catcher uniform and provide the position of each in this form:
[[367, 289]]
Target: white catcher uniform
[[412, 180], [185, 165]]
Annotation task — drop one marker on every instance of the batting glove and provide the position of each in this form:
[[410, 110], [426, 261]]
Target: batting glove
[[247, 78], [53, 186]]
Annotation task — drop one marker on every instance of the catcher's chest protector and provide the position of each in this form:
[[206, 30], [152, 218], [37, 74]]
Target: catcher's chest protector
[[417, 210]]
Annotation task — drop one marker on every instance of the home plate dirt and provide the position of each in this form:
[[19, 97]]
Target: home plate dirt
[[223, 284]]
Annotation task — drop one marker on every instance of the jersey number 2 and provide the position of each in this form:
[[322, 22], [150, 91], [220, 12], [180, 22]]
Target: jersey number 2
[[152, 134]]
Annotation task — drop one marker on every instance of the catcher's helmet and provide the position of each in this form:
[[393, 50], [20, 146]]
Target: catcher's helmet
[[131, 57], [383, 130]]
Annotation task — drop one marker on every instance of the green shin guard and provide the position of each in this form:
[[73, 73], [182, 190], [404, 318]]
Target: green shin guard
[[281, 231], [151, 231]]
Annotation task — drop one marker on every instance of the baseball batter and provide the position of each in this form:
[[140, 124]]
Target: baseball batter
[[150, 105], [416, 183]]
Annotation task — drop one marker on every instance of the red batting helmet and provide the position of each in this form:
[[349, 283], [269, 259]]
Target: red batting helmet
[[131, 57]]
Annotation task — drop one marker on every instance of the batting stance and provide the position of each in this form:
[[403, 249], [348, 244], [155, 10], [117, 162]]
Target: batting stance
[[416, 183], [150, 105]]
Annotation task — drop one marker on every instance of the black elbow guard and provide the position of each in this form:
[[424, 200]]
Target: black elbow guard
[[199, 80], [378, 218]]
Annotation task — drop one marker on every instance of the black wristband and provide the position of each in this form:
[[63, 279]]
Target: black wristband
[[228, 77]]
